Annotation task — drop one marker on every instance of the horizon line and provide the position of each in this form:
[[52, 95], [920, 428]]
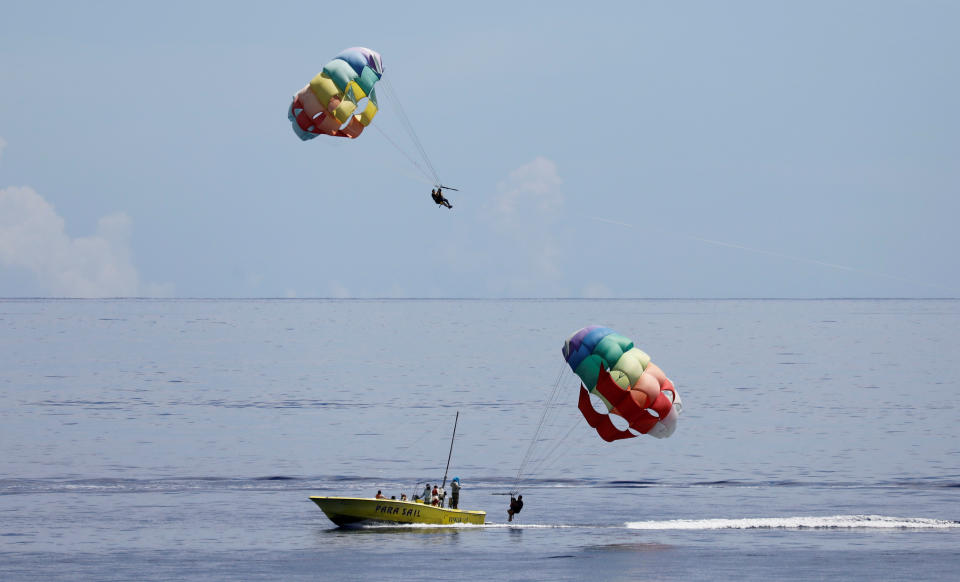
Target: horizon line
[[388, 298]]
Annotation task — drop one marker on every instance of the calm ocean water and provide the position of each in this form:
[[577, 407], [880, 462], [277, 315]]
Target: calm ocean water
[[180, 440]]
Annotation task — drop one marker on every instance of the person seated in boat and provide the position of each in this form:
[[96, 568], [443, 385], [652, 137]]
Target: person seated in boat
[[515, 506], [455, 493], [434, 496], [380, 495], [393, 497], [403, 497]]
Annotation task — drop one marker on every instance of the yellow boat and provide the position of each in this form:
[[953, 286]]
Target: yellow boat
[[364, 510]]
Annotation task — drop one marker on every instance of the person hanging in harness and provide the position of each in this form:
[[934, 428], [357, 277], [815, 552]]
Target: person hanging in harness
[[437, 196], [515, 506]]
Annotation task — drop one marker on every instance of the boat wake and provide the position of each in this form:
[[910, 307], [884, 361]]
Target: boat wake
[[832, 522], [408, 526]]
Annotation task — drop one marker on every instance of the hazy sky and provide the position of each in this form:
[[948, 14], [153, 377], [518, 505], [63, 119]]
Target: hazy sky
[[623, 149]]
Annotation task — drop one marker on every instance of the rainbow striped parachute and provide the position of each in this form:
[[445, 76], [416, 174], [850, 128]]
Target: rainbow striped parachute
[[627, 382], [341, 99]]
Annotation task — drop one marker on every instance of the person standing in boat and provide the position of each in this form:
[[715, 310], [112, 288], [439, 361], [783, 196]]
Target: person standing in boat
[[515, 506], [455, 493], [434, 496], [426, 493]]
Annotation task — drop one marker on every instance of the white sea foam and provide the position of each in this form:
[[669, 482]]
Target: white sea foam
[[803, 522], [513, 525]]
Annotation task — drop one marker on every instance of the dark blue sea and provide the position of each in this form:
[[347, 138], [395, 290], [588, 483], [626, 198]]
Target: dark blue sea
[[181, 439]]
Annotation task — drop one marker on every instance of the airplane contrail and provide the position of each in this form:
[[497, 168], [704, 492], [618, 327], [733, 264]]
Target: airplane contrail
[[766, 252]]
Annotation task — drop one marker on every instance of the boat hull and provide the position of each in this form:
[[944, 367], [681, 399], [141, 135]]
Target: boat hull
[[346, 511]]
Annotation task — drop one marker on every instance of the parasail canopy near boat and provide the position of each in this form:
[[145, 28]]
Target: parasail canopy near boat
[[629, 385]]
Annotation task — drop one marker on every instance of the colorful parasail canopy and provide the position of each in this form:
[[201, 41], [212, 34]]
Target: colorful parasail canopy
[[628, 383], [341, 99]]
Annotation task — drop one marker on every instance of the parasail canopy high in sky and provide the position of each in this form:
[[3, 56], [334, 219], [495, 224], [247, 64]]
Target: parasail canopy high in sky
[[628, 383], [341, 99]]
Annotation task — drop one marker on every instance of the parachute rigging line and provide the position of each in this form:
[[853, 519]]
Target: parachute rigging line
[[551, 457], [548, 405], [411, 132], [559, 449], [410, 159]]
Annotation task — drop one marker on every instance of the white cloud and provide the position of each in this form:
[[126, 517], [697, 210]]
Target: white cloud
[[33, 237], [532, 188], [524, 211], [339, 291]]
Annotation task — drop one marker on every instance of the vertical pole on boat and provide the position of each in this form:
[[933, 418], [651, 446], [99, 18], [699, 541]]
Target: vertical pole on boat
[[451, 450]]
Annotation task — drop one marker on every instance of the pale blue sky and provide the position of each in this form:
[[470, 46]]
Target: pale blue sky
[[627, 149]]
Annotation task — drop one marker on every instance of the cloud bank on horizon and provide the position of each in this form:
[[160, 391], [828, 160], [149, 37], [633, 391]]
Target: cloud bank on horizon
[[33, 237]]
